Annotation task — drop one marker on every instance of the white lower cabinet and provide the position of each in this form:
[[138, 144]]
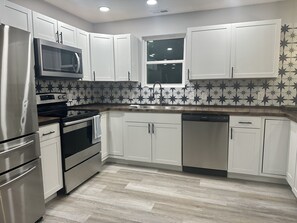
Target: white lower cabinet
[[244, 151], [115, 133], [295, 182], [51, 160], [147, 139], [104, 136], [292, 156], [166, 144], [276, 144], [244, 145], [138, 142]]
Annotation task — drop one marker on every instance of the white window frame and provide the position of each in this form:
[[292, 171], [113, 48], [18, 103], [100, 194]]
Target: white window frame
[[145, 62]]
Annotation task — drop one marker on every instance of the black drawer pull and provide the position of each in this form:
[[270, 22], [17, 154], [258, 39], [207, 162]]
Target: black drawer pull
[[247, 123], [49, 133]]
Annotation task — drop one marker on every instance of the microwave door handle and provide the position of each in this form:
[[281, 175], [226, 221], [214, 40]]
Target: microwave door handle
[[78, 63]]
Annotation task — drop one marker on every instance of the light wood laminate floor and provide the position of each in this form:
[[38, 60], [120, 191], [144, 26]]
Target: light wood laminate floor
[[133, 194]]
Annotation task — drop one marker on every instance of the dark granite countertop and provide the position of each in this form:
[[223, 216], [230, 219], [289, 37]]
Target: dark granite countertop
[[289, 112], [47, 120]]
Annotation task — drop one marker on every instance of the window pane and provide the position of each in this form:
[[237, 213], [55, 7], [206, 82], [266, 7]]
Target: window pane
[[169, 49], [164, 73]]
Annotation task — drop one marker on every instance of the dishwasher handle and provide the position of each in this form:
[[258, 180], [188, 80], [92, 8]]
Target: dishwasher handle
[[205, 118]]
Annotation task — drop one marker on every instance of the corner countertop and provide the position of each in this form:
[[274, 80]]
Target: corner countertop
[[288, 112]]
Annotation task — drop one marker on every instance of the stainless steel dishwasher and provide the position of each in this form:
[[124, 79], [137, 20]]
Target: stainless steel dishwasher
[[205, 144]]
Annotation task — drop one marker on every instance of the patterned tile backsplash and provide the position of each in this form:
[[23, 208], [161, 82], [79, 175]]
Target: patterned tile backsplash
[[251, 92]]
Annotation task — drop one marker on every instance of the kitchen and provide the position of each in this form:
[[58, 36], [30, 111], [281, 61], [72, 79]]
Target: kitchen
[[148, 111]]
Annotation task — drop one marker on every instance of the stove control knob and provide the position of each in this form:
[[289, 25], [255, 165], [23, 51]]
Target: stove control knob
[[60, 97], [64, 97]]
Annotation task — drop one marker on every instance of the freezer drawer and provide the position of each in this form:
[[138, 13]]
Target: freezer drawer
[[17, 152], [21, 194]]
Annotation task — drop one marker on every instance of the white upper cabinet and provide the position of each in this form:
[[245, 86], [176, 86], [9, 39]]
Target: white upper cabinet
[[240, 50], [255, 49], [208, 52], [50, 29], [102, 57], [83, 42], [276, 144], [67, 34], [126, 57], [292, 156], [15, 15], [45, 27]]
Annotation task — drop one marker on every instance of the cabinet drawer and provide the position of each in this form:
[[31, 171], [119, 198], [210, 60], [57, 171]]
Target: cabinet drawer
[[49, 132], [164, 118], [245, 121]]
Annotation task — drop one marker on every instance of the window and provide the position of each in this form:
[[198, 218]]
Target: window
[[164, 61]]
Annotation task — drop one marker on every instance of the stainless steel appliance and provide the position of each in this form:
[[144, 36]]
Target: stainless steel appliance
[[81, 156], [21, 188], [57, 60], [205, 143]]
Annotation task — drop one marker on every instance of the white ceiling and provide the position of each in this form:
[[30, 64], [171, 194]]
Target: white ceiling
[[132, 9]]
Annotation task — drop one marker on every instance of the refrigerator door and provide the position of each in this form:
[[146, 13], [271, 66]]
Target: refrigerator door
[[18, 110], [21, 194]]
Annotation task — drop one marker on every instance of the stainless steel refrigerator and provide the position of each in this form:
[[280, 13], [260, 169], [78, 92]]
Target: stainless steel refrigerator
[[21, 188]]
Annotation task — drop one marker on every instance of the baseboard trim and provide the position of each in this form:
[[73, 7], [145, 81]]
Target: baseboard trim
[[143, 164], [50, 198], [257, 178]]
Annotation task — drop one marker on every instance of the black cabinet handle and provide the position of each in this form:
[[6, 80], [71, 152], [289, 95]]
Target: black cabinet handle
[[94, 74], [49, 133], [232, 72], [61, 35], [129, 76], [153, 128], [188, 74], [58, 39], [149, 128], [231, 133], [246, 123]]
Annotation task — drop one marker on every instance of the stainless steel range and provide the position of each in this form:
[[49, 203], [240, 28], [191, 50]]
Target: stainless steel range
[[81, 150]]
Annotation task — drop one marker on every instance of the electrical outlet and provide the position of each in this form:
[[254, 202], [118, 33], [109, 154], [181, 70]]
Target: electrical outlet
[[261, 95]]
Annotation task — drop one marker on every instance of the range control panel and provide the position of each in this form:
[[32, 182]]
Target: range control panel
[[51, 98]]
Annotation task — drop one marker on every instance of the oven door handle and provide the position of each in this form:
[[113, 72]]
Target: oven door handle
[[78, 121]]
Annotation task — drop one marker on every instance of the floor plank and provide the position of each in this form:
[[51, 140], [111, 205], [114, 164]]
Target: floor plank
[[131, 194]]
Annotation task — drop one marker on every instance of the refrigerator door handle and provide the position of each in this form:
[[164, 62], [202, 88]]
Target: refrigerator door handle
[[18, 177], [11, 149]]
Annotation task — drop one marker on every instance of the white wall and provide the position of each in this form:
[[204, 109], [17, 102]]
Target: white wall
[[170, 24], [56, 13]]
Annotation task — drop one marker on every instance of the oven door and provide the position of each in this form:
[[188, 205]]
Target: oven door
[[57, 60], [77, 142]]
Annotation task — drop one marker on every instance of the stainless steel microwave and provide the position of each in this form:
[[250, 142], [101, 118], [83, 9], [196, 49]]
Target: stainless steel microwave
[[57, 60]]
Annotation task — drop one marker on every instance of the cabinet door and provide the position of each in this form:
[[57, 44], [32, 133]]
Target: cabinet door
[[137, 142], [16, 16], [67, 34], [45, 27], [115, 133], [208, 52], [292, 157], [276, 144], [83, 42], [102, 57], [166, 144], [244, 151], [51, 166], [122, 45], [104, 136], [255, 49], [295, 183]]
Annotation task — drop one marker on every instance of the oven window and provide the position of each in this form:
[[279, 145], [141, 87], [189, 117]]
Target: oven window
[[76, 140]]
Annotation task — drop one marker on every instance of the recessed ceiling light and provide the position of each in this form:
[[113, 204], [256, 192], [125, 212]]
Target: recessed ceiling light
[[104, 9], [169, 49], [151, 2]]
